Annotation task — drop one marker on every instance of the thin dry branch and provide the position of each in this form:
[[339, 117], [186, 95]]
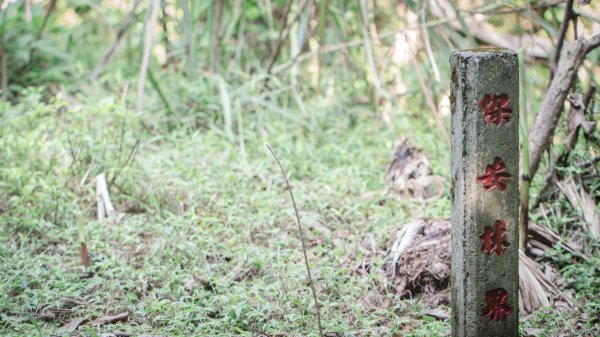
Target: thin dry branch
[[113, 47], [546, 120], [561, 36], [301, 234], [49, 10], [284, 32]]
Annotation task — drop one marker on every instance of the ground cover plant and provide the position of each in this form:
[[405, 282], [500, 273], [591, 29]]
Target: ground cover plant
[[204, 241]]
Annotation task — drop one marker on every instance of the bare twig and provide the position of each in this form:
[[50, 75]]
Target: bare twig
[[284, 32], [113, 47], [570, 142], [147, 51], [160, 93], [49, 10], [561, 37], [282, 29], [301, 234], [129, 159]]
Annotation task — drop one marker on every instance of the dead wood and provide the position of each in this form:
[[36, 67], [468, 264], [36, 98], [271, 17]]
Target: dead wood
[[199, 280], [410, 174], [575, 121], [103, 202], [532, 45], [122, 317], [546, 120], [71, 326], [419, 256], [561, 36], [536, 290], [420, 265]]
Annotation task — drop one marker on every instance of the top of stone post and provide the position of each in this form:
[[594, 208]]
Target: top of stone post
[[482, 52]]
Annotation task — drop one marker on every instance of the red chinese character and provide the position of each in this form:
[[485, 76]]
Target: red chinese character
[[496, 110], [494, 240], [497, 307], [495, 176]]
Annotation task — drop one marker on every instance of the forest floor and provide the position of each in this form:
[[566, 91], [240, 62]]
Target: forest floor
[[205, 243]]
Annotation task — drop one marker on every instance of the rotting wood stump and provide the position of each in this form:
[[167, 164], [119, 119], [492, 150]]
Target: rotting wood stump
[[485, 192]]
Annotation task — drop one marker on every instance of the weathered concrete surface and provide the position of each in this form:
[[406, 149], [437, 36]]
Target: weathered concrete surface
[[476, 144]]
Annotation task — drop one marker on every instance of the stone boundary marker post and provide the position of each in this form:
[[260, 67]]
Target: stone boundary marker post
[[485, 192]]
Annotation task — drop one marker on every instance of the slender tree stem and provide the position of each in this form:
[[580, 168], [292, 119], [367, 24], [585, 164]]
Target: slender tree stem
[[301, 234]]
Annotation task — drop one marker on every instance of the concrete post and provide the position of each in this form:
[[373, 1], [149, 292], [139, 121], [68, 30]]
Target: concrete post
[[485, 192]]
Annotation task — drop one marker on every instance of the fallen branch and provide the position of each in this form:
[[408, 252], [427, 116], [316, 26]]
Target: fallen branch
[[301, 234], [533, 45], [122, 317]]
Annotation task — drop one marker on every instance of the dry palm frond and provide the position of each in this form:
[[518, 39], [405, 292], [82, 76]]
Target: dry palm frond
[[421, 260], [581, 200], [420, 266], [410, 174]]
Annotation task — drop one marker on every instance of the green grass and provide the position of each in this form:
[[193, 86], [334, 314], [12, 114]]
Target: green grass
[[192, 201], [196, 199]]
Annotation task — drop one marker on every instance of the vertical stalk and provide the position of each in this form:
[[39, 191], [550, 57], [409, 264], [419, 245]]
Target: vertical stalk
[[3, 56], [4, 75], [190, 63], [215, 43], [525, 174], [147, 51]]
